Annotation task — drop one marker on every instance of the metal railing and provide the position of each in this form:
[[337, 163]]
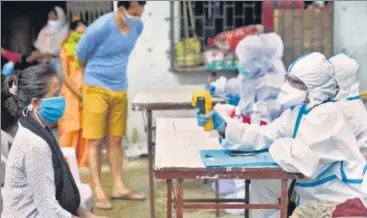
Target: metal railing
[[88, 10]]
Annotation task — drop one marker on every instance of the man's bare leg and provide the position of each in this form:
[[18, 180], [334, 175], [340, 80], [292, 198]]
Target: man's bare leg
[[114, 154], [95, 164]]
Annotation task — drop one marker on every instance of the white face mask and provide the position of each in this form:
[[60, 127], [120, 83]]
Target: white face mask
[[130, 20], [290, 96], [53, 24]]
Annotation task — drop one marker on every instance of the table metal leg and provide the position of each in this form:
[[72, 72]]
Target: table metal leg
[[179, 199], [217, 196], [247, 196], [284, 199], [151, 158], [169, 198]]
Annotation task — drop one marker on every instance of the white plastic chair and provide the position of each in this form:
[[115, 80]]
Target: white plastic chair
[[86, 193], [6, 141]]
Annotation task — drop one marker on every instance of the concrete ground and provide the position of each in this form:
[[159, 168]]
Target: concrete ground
[[136, 177]]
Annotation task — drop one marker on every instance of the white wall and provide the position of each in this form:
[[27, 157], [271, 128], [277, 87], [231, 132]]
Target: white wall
[[149, 64], [350, 33]]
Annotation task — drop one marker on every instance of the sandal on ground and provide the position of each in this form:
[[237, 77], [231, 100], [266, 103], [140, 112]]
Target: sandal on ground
[[130, 195], [103, 204]]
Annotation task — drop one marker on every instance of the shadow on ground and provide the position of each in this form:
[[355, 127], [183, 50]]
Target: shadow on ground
[[136, 177]]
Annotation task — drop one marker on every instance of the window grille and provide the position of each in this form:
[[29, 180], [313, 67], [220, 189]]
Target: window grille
[[209, 18]]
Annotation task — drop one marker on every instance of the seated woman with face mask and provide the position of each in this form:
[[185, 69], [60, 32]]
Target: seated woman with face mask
[[312, 138], [38, 182]]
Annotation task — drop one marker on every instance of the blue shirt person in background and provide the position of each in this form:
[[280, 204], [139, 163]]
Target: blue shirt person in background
[[104, 52]]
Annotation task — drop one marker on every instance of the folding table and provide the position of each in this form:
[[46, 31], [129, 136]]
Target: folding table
[[178, 145], [160, 99]]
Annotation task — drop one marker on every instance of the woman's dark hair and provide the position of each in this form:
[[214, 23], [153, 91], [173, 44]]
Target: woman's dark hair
[[127, 4], [31, 83], [76, 23]]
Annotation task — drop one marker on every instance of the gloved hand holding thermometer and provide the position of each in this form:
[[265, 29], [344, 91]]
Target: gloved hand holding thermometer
[[206, 117], [202, 102], [219, 123]]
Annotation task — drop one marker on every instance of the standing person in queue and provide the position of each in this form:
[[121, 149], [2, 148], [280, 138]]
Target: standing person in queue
[[48, 43], [103, 52], [38, 182], [70, 125]]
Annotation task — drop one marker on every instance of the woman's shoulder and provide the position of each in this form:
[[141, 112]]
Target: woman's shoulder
[[29, 140]]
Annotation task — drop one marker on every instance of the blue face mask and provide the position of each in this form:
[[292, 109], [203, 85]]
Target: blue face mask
[[8, 68], [130, 20], [52, 109]]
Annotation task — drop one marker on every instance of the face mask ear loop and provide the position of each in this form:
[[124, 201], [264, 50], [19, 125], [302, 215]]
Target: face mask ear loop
[[26, 110], [37, 117], [29, 108]]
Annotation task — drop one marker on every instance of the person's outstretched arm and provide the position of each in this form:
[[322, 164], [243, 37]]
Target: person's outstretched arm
[[252, 137]]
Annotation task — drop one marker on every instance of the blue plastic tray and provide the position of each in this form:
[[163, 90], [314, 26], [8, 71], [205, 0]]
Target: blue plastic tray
[[225, 158]]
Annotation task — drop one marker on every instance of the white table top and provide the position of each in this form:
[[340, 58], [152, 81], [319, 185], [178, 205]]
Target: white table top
[[179, 141], [168, 96]]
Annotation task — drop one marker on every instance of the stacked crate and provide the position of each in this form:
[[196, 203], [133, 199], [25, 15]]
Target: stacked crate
[[304, 31]]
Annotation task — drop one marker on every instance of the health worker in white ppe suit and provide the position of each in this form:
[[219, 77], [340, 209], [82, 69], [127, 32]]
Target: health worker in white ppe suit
[[312, 138], [261, 74], [348, 97], [260, 78], [268, 90]]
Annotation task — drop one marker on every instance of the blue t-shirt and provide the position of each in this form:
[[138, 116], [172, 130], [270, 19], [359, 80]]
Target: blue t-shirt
[[106, 50]]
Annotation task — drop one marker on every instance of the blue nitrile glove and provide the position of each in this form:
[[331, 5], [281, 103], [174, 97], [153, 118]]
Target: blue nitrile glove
[[210, 88], [8, 68], [233, 99], [218, 122]]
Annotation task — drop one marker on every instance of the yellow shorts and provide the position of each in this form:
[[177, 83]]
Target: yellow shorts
[[104, 112]]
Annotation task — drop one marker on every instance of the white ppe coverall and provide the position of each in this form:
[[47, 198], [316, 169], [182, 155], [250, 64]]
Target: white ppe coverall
[[261, 58], [267, 92], [313, 139], [348, 97]]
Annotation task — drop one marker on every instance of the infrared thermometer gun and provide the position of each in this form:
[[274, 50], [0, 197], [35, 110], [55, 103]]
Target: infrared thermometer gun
[[203, 101]]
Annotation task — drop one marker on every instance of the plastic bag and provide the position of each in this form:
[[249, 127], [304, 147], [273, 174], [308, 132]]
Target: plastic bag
[[227, 41], [188, 50]]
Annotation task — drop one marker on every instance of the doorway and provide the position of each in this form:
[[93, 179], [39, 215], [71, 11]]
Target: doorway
[[22, 20]]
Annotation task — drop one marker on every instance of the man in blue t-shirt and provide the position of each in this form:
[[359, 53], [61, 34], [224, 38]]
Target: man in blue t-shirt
[[104, 52]]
